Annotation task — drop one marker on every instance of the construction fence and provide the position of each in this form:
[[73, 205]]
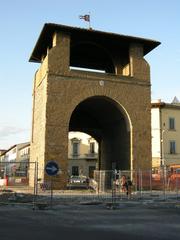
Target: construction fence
[[106, 186]]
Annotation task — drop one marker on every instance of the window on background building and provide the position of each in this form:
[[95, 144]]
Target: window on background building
[[171, 123], [92, 147], [91, 171], [75, 170], [172, 147], [14, 150], [75, 148]]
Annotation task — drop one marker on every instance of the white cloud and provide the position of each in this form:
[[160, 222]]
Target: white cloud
[[11, 135], [6, 131]]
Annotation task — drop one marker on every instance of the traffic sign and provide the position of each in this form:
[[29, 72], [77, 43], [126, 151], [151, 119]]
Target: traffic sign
[[51, 168]]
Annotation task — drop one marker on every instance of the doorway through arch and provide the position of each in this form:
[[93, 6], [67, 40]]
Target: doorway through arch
[[108, 123]]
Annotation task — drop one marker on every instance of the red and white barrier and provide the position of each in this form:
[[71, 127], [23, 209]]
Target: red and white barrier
[[4, 182]]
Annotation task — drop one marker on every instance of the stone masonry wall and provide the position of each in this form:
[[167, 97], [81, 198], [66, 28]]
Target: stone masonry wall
[[61, 90]]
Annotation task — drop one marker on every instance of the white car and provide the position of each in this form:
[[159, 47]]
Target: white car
[[78, 179]]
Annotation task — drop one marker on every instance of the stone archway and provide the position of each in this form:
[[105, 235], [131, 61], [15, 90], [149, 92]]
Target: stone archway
[[107, 122], [96, 102]]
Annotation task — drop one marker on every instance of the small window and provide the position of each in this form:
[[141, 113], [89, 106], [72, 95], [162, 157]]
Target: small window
[[75, 171], [75, 148], [172, 147], [92, 147], [14, 150], [171, 123]]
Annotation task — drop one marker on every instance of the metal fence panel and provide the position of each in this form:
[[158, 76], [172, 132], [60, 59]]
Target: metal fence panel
[[14, 182], [105, 186]]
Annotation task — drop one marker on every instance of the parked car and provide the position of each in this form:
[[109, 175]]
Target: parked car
[[78, 182], [78, 179]]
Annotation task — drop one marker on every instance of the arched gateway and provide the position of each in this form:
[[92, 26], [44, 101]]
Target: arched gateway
[[97, 83], [107, 122]]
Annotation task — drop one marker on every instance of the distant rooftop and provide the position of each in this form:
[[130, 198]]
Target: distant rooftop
[[160, 104], [175, 100]]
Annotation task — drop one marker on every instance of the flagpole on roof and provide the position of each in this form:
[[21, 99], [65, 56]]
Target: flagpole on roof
[[89, 20], [86, 18]]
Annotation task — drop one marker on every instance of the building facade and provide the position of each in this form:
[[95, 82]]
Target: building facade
[[82, 155], [14, 153], [112, 104], [165, 133], [12, 161]]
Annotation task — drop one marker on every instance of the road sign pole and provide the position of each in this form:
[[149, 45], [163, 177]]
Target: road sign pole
[[51, 203], [51, 169], [35, 185]]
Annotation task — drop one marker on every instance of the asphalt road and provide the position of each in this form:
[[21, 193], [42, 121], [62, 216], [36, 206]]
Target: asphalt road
[[66, 222]]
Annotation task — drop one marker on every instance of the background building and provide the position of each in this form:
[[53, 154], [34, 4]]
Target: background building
[[165, 133], [82, 154], [82, 157], [12, 161]]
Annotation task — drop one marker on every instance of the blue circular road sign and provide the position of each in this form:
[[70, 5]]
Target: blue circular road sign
[[51, 168]]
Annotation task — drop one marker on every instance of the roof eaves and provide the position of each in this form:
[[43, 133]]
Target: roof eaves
[[49, 28]]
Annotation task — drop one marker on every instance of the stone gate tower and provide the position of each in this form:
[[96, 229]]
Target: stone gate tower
[[94, 82]]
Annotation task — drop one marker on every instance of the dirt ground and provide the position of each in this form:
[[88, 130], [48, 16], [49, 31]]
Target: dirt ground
[[86, 221]]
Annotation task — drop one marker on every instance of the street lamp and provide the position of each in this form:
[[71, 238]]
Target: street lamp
[[162, 149], [163, 162]]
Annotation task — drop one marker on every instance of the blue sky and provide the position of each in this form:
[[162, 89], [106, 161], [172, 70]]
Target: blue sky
[[21, 22]]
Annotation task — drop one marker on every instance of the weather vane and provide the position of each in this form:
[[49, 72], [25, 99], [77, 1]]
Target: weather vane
[[86, 18]]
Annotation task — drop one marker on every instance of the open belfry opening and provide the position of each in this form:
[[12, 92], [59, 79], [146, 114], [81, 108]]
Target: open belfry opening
[[97, 83]]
